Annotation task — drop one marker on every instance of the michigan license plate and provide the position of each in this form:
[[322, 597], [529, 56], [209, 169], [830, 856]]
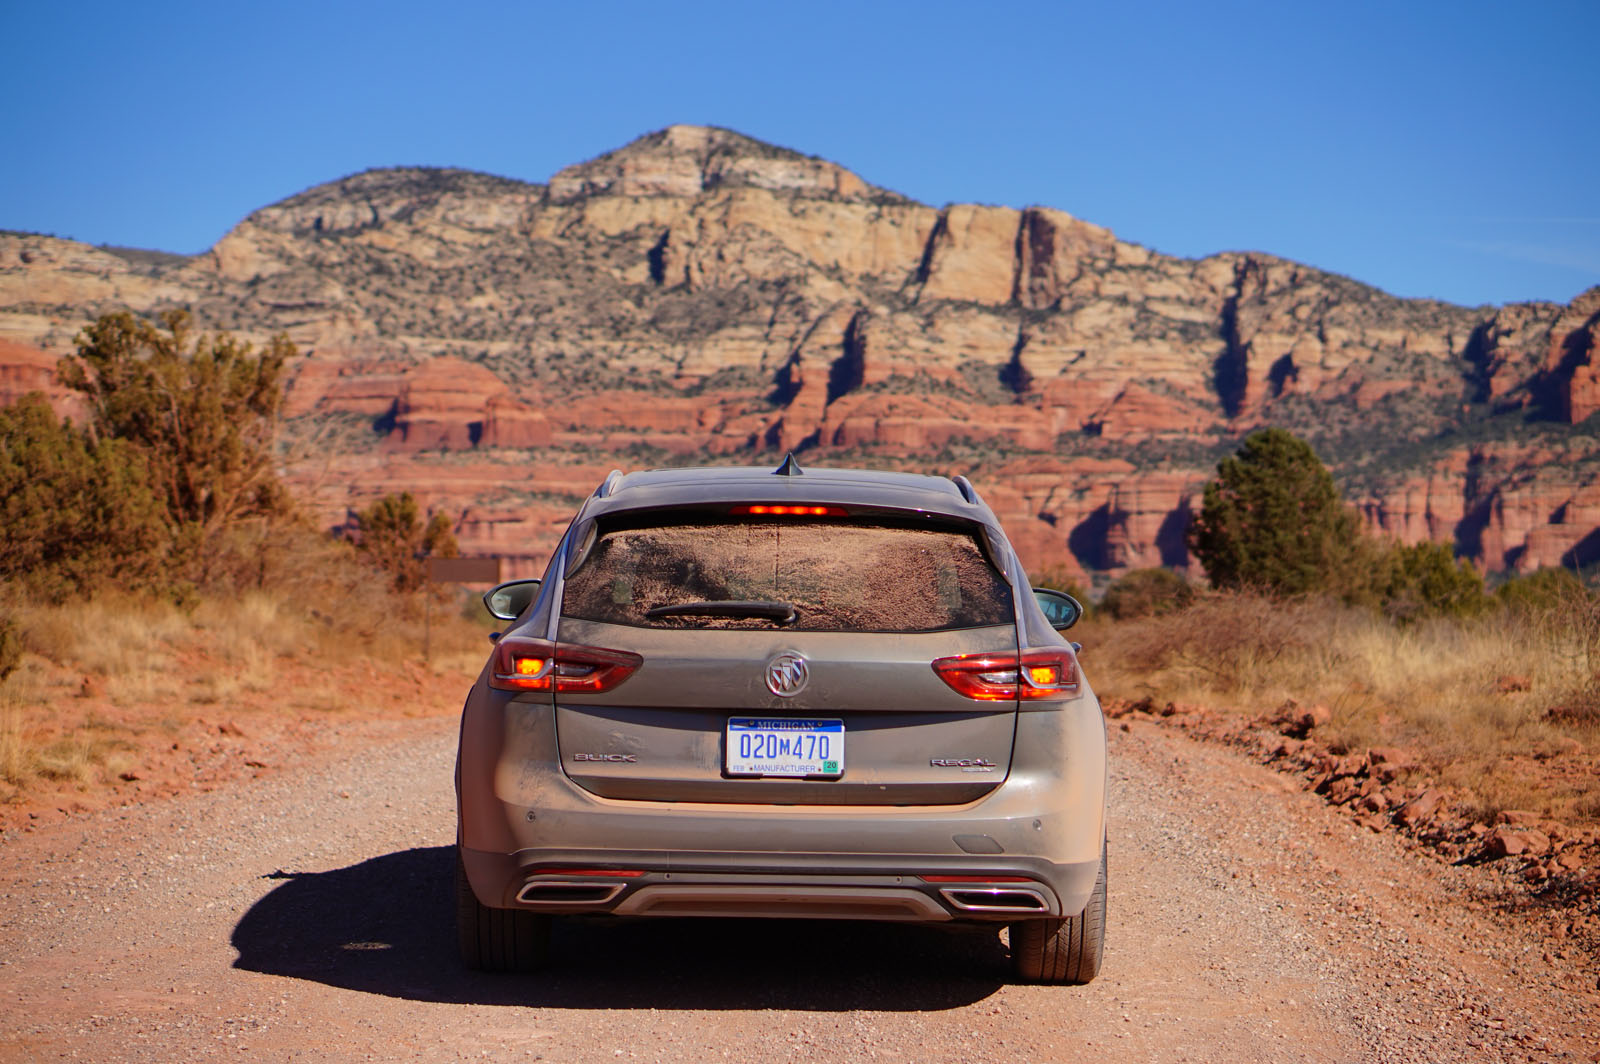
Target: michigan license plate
[[800, 748]]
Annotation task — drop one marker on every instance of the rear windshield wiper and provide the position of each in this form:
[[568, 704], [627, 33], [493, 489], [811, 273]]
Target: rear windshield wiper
[[782, 612]]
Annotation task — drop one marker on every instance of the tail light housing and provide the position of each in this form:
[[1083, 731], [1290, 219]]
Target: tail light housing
[[524, 664], [1050, 673]]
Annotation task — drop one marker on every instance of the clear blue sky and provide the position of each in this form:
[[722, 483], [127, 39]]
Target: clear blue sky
[[1445, 149]]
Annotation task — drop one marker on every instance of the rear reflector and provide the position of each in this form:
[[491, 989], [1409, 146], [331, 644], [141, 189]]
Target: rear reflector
[[1050, 673], [624, 873], [524, 664], [975, 879], [777, 510]]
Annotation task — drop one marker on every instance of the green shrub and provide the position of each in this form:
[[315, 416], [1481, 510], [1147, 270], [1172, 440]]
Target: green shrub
[[1540, 591], [1273, 520], [393, 536], [1424, 579], [1146, 593], [202, 413], [75, 514]]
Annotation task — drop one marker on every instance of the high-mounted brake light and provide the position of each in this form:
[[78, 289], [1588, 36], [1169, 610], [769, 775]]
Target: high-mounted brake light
[[1030, 675], [784, 510], [523, 664]]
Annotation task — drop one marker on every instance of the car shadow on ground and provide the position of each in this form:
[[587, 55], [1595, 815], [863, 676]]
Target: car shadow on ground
[[387, 926]]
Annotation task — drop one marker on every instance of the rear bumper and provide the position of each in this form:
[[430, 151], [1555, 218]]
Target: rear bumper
[[522, 822], [763, 884]]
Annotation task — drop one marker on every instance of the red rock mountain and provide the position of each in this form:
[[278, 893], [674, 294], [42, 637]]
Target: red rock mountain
[[698, 296]]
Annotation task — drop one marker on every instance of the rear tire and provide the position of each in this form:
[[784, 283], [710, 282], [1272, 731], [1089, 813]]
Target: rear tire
[[1063, 951], [498, 940]]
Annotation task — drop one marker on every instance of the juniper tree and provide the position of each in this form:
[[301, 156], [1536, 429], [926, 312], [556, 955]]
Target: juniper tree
[[391, 532], [1272, 519], [202, 411], [75, 513], [1425, 579]]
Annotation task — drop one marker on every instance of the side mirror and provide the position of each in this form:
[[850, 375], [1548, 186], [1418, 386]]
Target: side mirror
[[1060, 608], [507, 601]]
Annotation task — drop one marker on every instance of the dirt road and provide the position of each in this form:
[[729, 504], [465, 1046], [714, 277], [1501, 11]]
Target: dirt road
[[307, 916]]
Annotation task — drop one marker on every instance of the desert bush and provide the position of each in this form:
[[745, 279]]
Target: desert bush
[[75, 512], [1223, 641], [393, 536], [1472, 695], [1569, 628], [1566, 620], [201, 412], [1146, 593], [1424, 579], [1540, 591], [1273, 520], [10, 648]]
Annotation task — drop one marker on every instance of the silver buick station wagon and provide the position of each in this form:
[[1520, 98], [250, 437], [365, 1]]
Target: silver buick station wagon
[[820, 693]]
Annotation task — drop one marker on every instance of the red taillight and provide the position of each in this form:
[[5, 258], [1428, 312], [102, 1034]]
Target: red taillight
[[523, 664], [777, 510], [1032, 674]]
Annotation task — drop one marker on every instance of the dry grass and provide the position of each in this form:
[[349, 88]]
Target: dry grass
[[13, 752], [76, 758], [96, 675], [1499, 706]]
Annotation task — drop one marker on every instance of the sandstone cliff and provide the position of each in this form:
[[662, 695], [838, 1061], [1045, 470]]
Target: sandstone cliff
[[696, 296]]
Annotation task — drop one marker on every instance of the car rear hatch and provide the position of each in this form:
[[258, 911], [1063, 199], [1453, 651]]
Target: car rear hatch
[[736, 699]]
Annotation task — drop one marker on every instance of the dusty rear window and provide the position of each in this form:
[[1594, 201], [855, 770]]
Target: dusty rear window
[[838, 577]]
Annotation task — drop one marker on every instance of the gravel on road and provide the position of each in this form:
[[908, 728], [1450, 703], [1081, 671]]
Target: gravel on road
[[307, 915]]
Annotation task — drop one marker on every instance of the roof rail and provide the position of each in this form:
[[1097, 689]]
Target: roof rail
[[608, 485], [968, 492]]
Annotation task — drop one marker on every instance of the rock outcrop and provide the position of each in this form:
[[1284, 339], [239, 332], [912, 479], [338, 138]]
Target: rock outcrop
[[700, 296], [25, 369]]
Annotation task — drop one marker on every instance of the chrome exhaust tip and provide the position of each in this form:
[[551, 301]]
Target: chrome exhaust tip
[[567, 892], [994, 900]]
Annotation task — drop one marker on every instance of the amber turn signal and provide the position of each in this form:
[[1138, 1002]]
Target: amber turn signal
[[1049, 673]]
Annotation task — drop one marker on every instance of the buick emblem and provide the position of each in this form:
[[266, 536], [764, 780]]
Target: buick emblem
[[787, 674]]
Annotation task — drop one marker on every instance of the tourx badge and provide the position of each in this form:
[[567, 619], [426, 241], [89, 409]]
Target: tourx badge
[[787, 674]]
